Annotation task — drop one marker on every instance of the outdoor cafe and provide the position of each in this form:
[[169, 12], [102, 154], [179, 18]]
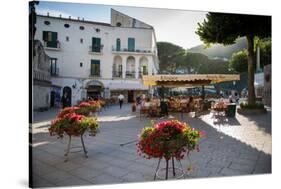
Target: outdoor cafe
[[164, 104]]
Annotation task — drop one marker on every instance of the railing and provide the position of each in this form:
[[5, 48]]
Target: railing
[[52, 45], [96, 51], [116, 74], [143, 50], [130, 74], [142, 73]]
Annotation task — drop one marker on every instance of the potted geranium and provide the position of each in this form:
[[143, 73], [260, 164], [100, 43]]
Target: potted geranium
[[74, 122], [168, 139]]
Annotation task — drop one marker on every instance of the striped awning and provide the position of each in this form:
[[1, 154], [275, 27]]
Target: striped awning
[[187, 80]]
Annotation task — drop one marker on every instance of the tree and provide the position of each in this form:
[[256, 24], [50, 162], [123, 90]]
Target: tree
[[194, 61], [238, 61], [170, 56], [265, 52], [225, 28]]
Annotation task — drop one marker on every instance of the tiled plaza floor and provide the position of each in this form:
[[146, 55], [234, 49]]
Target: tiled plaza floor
[[233, 146]]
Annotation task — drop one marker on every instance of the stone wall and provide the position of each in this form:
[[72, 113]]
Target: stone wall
[[41, 78], [41, 97]]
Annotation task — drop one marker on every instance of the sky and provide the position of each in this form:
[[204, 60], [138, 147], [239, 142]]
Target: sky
[[175, 26]]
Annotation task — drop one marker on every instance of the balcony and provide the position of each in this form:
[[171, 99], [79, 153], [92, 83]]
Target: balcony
[[147, 51], [117, 74], [55, 72], [142, 73], [52, 45], [130, 74], [96, 50]]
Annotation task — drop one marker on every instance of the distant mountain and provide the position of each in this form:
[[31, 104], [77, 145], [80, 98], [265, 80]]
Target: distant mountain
[[220, 51]]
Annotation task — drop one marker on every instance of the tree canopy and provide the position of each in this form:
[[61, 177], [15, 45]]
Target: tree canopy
[[225, 28], [239, 62]]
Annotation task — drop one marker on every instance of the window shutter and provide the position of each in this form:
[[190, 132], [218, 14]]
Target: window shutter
[[131, 44], [96, 44], [45, 36]]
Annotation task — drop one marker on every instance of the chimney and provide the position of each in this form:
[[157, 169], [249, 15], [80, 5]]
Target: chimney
[[82, 19], [78, 18], [47, 13], [60, 15]]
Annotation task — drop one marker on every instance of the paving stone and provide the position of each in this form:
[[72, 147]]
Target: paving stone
[[116, 171], [106, 179], [57, 176], [133, 177], [242, 167], [232, 172], [227, 150], [85, 173]]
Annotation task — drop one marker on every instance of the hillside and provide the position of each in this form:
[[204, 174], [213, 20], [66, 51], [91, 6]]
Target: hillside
[[219, 50]]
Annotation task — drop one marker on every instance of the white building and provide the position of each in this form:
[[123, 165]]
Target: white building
[[92, 58]]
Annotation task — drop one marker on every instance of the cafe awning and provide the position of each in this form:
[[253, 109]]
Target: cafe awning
[[187, 80]]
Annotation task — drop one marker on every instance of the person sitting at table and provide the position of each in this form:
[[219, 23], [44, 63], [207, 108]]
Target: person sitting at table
[[190, 104]]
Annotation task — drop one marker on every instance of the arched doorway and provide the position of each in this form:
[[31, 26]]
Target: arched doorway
[[67, 91], [117, 67], [94, 89], [130, 67], [143, 66]]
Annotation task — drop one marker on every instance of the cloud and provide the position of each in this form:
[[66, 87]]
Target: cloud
[[55, 13]]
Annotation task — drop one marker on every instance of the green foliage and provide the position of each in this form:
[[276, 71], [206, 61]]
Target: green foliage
[[239, 61], [225, 28], [170, 55], [265, 52], [244, 105]]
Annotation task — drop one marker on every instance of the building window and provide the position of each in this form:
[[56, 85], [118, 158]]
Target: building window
[[81, 64], [118, 44], [67, 38], [47, 22], [131, 44], [54, 68], [97, 30], [81, 27], [81, 40], [144, 70], [50, 38], [96, 44], [95, 67], [66, 25], [118, 24]]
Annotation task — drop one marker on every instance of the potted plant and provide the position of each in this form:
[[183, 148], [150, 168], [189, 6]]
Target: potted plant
[[74, 122], [168, 139]]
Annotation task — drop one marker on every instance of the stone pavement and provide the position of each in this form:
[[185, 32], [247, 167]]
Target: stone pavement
[[233, 146]]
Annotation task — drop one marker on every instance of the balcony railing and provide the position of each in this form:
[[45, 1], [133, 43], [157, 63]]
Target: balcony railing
[[96, 50], [130, 74], [52, 45], [126, 50], [55, 72], [117, 74], [142, 73]]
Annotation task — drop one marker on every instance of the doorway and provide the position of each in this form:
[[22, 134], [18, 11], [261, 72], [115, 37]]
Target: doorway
[[67, 90], [130, 96], [52, 101]]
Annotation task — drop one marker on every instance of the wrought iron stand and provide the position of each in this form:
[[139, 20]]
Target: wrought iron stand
[[69, 147], [167, 168]]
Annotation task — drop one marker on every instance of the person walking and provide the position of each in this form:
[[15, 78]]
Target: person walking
[[121, 99], [65, 101]]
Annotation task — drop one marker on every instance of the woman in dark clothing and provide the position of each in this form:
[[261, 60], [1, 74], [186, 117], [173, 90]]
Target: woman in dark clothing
[[65, 100]]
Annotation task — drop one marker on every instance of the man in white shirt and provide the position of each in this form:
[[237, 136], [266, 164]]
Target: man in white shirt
[[121, 99]]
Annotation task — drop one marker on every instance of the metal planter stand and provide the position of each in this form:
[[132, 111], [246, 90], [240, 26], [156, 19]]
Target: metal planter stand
[[167, 168], [74, 147]]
